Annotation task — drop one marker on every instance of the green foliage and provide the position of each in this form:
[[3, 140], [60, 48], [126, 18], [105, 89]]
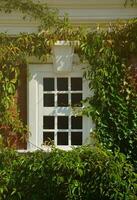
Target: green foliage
[[14, 50], [84, 173], [131, 2], [32, 11], [112, 77], [39, 44], [51, 25], [11, 59]]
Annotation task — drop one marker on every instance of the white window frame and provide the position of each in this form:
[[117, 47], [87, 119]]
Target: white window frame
[[35, 115]]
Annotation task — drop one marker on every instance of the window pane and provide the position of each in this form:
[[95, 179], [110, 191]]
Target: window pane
[[62, 138], [76, 122], [76, 99], [62, 122], [48, 122], [62, 84], [62, 100], [48, 84], [48, 100], [48, 137], [76, 84], [76, 138]]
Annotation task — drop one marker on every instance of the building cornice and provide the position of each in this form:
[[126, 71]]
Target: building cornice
[[86, 4], [86, 13]]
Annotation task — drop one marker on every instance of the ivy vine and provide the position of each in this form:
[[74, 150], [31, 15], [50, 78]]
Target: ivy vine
[[11, 126], [33, 11], [132, 2], [13, 52], [112, 76]]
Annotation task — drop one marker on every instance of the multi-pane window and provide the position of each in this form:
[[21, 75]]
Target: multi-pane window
[[62, 93], [51, 117]]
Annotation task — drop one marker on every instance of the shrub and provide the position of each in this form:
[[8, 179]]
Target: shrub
[[85, 173]]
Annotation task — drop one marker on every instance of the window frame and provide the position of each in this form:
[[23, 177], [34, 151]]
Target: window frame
[[35, 81]]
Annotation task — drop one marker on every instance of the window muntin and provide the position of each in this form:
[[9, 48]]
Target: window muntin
[[36, 109], [67, 129]]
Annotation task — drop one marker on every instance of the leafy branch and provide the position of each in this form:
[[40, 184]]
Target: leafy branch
[[112, 77]]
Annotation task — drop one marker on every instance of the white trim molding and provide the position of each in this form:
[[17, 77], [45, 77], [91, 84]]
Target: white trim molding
[[85, 4], [85, 13], [36, 111]]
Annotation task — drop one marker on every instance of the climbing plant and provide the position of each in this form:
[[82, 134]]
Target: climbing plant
[[112, 76], [131, 2], [14, 50], [11, 59], [32, 11], [110, 72]]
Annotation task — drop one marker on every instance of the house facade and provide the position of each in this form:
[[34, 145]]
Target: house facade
[[50, 94]]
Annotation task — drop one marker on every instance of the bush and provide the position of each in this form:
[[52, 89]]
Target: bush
[[85, 173]]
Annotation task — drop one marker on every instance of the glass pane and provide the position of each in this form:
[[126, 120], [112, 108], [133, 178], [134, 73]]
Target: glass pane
[[76, 84], [62, 138], [76, 122], [62, 122], [48, 122], [62, 84], [48, 138], [48, 100], [62, 100], [48, 84], [76, 99], [76, 138]]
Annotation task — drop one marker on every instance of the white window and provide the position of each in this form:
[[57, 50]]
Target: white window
[[52, 98]]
